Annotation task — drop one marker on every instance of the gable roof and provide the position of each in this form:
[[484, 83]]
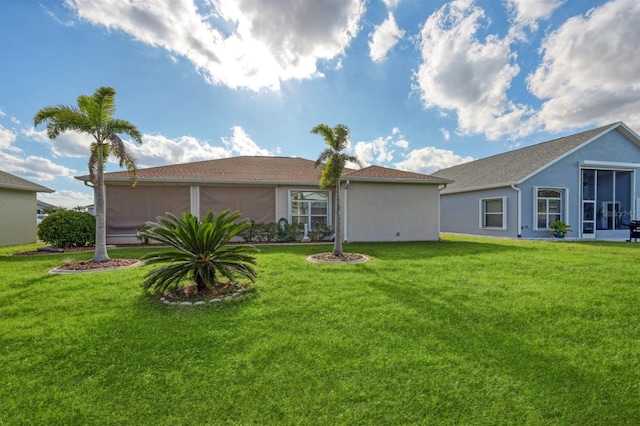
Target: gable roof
[[513, 167], [10, 181], [385, 174], [259, 170]]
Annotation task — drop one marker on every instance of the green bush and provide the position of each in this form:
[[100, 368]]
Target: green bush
[[267, 232], [249, 233], [291, 232], [320, 232], [68, 228]]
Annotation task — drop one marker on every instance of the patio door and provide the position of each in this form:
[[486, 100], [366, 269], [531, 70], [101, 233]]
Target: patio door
[[606, 203]]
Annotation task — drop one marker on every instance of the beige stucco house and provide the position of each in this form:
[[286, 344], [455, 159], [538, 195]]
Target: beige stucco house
[[18, 209], [377, 203]]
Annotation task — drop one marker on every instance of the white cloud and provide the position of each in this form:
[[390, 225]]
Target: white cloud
[[461, 73], [383, 38], [7, 138], [67, 199], [589, 72], [528, 13], [33, 167], [390, 3], [159, 150], [240, 143], [445, 133], [68, 144], [430, 159], [238, 43], [380, 150]]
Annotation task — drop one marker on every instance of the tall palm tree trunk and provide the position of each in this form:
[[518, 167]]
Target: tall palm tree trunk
[[337, 242], [100, 254]]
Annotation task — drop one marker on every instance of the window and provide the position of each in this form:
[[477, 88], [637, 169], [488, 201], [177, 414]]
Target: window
[[548, 207], [493, 213], [310, 207]]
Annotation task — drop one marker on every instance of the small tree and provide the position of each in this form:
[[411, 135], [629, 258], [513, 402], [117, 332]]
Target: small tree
[[94, 116], [333, 160], [200, 251]]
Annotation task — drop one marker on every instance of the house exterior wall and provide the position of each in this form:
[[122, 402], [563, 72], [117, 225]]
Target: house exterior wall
[[391, 212], [461, 212], [612, 147], [18, 212]]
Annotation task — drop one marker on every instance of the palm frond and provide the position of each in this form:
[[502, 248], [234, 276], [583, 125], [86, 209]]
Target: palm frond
[[199, 250]]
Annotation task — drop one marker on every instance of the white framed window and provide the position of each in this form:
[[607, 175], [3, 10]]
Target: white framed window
[[309, 207], [549, 205], [493, 213]]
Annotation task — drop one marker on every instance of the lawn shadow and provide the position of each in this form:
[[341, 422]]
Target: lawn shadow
[[535, 361]]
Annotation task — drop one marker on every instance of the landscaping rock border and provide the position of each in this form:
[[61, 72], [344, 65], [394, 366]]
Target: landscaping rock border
[[214, 300]]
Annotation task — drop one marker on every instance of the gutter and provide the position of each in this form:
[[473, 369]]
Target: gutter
[[519, 208]]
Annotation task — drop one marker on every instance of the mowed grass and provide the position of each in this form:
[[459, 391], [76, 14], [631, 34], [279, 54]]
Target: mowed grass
[[462, 331]]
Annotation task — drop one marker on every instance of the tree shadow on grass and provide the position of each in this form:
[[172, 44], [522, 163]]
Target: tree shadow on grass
[[533, 369]]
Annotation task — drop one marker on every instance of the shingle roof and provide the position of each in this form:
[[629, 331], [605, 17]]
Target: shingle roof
[[378, 173], [513, 166], [245, 169], [257, 169], [10, 181]]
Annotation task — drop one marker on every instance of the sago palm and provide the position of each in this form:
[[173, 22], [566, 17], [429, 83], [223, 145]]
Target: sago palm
[[333, 160], [94, 116], [200, 251]]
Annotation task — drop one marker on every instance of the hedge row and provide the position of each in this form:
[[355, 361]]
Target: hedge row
[[272, 232]]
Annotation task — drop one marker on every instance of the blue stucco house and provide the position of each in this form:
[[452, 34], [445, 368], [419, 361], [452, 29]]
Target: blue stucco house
[[589, 180]]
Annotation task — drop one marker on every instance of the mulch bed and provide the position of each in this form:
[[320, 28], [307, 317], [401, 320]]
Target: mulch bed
[[89, 265], [332, 258], [80, 265]]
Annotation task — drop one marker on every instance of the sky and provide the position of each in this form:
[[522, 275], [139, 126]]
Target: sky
[[422, 84]]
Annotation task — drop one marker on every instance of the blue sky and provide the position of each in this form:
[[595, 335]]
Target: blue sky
[[422, 85]]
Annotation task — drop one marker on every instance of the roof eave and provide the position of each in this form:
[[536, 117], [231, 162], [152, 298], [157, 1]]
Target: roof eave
[[205, 181], [448, 191], [28, 188], [397, 180]]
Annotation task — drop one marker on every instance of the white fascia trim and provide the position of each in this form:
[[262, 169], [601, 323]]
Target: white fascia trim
[[478, 188], [609, 165]]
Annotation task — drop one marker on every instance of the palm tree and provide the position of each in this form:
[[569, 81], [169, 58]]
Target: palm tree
[[94, 116], [200, 251], [333, 160]]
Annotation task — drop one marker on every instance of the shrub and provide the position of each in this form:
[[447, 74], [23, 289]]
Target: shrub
[[68, 228], [140, 232], [291, 232], [320, 231], [199, 251], [248, 234]]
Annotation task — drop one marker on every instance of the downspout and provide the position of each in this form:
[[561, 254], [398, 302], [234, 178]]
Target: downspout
[[345, 203], [519, 208]]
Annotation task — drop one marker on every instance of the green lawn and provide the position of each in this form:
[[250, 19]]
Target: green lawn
[[463, 331]]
